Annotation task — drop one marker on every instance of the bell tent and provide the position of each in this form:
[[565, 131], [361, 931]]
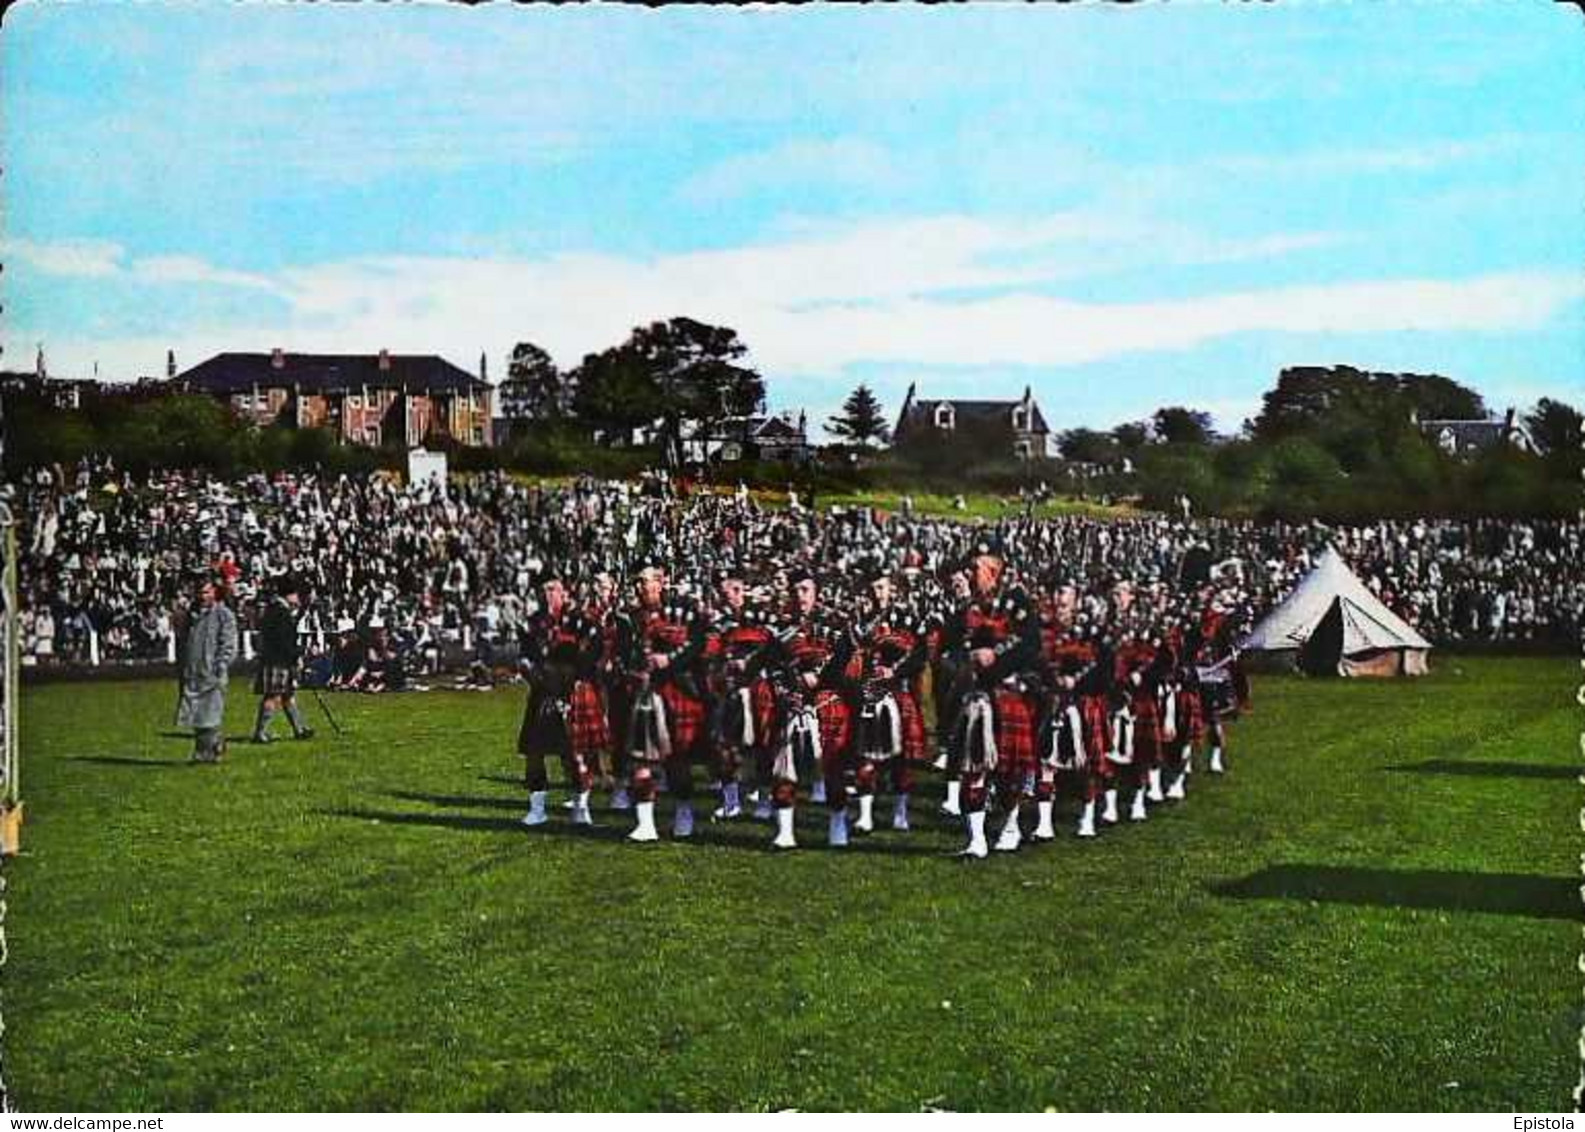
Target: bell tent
[[1332, 625]]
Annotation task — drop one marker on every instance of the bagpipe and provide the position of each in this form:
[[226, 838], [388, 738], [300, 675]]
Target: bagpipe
[[880, 718]]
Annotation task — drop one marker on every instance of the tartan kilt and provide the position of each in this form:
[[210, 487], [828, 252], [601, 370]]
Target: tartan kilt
[[1147, 730], [836, 724], [1097, 729], [1016, 756], [588, 728], [1191, 717], [275, 680], [913, 726], [763, 697], [685, 719]]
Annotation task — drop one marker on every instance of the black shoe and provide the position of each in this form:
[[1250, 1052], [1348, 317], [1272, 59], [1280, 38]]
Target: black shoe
[[262, 739], [305, 733]]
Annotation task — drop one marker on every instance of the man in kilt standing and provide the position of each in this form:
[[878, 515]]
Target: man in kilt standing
[[998, 637], [565, 714], [889, 730], [661, 641], [814, 725], [280, 656]]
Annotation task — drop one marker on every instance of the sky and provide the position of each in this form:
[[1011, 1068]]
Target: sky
[[1121, 207]]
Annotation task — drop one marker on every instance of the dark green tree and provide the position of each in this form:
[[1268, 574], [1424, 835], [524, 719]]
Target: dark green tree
[[1177, 425], [1131, 437], [1087, 446], [1554, 426], [534, 388], [861, 419]]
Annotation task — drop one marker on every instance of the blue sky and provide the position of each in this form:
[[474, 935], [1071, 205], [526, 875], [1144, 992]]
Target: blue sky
[[1122, 207]]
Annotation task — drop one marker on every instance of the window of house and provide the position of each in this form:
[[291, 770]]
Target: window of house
[[1022, 449], [1020, 419], [945, 417]]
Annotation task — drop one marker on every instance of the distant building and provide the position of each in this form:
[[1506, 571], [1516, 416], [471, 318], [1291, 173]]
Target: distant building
[[782, 438], [1470, 438], [370, 399], [1016, 427]]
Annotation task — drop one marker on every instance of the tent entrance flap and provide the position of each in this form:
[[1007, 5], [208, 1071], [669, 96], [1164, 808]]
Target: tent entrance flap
[[1321, 654]]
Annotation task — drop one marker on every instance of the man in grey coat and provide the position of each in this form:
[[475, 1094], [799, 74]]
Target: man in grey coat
[[211, 649]]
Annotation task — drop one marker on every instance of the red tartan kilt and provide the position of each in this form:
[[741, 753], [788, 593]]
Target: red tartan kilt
[[1097, 729], [913, 726], [588, 728], [685, 719], [836, 723], [763, 697], [1015, 734], [1147, 731], [1191, 718]]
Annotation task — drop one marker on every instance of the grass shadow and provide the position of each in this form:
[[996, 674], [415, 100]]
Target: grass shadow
[[1502, 894], [479, 823], [478, 800], [1478, 769], [126, 760]]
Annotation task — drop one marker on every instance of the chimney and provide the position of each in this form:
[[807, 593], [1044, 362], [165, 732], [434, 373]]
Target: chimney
[[277, 358], [170, 363], [385, 361], [40, 369], [484, 367]]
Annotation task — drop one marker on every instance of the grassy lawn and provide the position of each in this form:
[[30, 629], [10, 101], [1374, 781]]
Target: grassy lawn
[[1377, 908], [976, 506]]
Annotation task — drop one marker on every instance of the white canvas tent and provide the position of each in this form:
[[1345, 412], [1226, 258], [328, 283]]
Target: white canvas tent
[[1331, 624]]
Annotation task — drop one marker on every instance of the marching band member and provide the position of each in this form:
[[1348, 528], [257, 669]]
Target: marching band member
[[565, 713], [889, 728], [660, 642], [814, 723], [998, 637], [744, 714]]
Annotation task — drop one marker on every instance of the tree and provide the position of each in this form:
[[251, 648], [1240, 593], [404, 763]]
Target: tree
[[1554, 426], [534, 388], [861, 420], [1087, 446], [1132, 436], [1309, 399], [677, 371], [615, 391], [1178, 425]]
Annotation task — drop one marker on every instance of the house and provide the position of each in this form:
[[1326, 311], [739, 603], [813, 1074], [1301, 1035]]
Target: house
[[782, 438], [1469, 438], [1016, 427], [370, 399]]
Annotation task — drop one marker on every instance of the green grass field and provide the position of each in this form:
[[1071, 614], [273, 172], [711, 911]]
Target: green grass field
[[1377, 908]]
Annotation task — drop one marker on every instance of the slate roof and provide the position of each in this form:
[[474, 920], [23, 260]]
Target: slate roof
[[320, 373], [966, 412]]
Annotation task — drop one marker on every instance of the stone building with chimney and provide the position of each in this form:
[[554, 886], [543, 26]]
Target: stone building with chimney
[[368, 399]]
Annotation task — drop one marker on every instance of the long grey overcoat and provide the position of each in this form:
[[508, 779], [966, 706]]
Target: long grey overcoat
[[211, 648]]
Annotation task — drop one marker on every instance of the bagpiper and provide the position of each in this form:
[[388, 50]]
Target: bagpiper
[[743, 715], [997, 639], [565, 713], [813, 722], [661, 640], [889, 729]]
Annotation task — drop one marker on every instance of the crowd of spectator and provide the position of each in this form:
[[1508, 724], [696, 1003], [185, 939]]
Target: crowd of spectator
[[421, 578]]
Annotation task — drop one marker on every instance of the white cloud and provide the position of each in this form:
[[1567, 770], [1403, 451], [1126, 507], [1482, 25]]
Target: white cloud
[[191, 269], [815, 305], [835, 162], [81, 258]]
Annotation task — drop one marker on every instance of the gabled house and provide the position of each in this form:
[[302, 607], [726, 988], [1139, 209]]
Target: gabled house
[[1017, 428]]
